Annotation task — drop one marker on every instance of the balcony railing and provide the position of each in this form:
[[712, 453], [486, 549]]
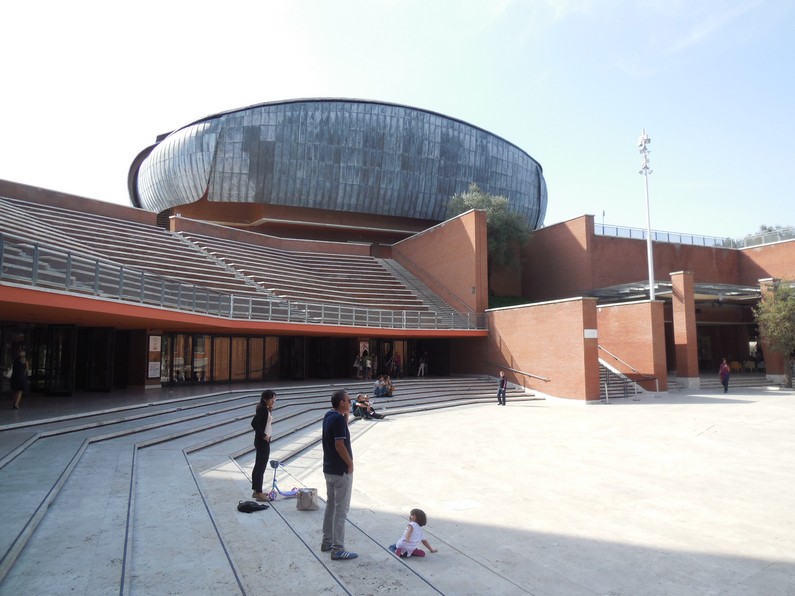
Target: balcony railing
[[658, 236], [25, 262], [769, 237]]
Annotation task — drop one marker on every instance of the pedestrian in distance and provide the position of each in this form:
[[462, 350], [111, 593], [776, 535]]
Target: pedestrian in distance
[[19, 378], [724, 372], [423, 369], [262, 423], [501, 389], [407, 545], [338, 471]]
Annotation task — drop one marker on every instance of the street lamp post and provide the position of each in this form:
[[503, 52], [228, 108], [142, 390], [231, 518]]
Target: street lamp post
[[643, 143]]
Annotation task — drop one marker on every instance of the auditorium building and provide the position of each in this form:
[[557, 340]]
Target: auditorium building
[[281, 240]]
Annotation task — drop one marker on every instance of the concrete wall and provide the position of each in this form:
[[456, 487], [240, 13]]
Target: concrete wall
[[181, 224]]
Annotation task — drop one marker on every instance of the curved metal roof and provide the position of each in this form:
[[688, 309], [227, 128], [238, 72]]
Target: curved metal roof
[[336, 154]]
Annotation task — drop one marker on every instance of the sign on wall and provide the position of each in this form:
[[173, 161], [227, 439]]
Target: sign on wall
[[154, 357]]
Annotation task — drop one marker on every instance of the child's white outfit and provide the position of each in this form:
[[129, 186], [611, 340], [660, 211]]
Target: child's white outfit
[[417, 535]]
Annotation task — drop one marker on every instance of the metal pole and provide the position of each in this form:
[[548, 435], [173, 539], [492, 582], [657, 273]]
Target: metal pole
[[643, 143]]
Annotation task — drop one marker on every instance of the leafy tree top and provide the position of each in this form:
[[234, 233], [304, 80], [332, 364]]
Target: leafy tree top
[[775, 314], [506, 229]]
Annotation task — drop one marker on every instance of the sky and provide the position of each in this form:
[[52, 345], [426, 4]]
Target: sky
[[87, 85]]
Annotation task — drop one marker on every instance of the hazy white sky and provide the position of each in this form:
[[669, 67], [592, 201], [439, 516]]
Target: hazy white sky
[[87, 85]]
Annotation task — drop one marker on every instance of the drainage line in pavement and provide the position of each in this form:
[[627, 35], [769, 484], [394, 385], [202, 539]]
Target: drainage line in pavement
[[297, 535], [215, 525]]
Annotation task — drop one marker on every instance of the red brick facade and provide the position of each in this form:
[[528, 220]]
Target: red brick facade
[[546, 340], [451, 259], [633, 340], [568, 259], [684, 317]]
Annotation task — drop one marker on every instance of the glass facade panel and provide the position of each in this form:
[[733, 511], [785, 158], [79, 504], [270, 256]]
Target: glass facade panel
[[271, 358], [256, 359], [201, 358], [220, 359], [183, 361], [428, 155], [239, 360]]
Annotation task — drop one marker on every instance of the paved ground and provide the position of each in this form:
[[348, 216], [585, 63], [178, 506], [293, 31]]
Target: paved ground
[[689, 493], [684, 494]]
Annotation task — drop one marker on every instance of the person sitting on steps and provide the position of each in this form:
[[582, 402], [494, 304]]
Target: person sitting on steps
[[363, 409]]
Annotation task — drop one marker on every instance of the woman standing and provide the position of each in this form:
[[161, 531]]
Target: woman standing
[[19, 378], [262, 424]]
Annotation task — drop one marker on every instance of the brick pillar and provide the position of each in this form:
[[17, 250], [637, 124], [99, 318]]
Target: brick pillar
[[685, 337]]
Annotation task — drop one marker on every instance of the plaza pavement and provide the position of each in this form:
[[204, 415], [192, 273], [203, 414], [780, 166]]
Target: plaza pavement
[[687, 493]]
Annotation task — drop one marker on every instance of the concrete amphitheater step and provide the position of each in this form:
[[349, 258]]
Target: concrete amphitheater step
[[87, 517]]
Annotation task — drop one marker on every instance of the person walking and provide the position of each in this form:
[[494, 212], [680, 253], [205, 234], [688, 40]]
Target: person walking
[[338, 471], [262, 423], [724, 373], [19, 378], [501, 389]]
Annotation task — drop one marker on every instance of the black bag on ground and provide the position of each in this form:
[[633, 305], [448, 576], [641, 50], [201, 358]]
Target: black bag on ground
[[250, 506]]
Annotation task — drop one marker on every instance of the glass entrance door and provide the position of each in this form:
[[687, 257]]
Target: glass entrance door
[[58, 360]]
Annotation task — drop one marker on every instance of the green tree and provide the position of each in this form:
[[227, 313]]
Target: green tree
[[775, 315], [506, 230]]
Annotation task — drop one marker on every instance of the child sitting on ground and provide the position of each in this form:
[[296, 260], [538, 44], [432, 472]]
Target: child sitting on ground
[[414, 534]]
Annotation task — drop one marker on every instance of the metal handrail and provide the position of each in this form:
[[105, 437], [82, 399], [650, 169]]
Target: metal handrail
[[40, 265], [640, 374], [627, 364], [526, 374], [659, 236]]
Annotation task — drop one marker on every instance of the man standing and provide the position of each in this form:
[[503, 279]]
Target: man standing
[[338, 470], [501, 389]]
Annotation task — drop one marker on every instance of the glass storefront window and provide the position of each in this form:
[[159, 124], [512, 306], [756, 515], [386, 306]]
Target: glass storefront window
[[220, 359], [201, 358], [183, 353], [271, 357], [239, 360], [256, 357], [166, 352]]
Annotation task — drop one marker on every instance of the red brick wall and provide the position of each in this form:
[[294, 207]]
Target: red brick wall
[[35, 194], [542, 339], [566, 259], [635, 333], [507, 281], [451, 259], [556, 262], [624, 260], [773, 260]]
